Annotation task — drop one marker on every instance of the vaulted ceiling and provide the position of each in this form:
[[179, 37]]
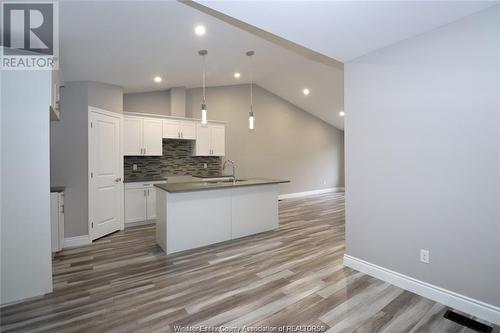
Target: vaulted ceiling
[[297, 44], [345, 30], [127, 43]]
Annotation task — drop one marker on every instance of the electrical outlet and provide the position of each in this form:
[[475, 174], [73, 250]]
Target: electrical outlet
[[205, 165], [134, 167], [424, 256]]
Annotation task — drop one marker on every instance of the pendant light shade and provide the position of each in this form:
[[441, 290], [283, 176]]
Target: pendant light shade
[[251, 119], [204, 120]]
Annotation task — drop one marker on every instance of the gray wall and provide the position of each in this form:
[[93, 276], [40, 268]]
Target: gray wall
[[288, 143], [26, 269], [157, 102], [69, 147], [105, 96], [423, 156]]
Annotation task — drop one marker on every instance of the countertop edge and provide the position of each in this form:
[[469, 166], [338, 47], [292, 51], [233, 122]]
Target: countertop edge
[[220, 186]]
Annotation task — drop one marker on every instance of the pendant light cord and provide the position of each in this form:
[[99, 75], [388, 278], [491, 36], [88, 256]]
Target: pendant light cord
[[204, 74], [250, 55]]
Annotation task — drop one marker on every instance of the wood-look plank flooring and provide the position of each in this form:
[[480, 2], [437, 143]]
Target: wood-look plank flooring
[[292, 276]]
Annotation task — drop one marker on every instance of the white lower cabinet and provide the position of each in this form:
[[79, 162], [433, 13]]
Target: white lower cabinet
[[140, 199], [57, 220], [140, 202], [151, 203]]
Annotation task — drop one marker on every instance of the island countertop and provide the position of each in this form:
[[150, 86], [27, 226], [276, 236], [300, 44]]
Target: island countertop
[[212, 185]]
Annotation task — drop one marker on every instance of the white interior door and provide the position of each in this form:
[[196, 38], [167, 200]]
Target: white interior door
[[105, 183]]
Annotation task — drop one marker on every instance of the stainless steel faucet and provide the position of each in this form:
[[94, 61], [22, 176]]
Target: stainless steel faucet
[[234, 168]]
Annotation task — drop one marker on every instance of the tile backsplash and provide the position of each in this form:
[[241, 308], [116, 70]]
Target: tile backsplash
[[177, 159]]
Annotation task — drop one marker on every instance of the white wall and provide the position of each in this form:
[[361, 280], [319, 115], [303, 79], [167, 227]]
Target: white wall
[[26, 269], [423, 157]]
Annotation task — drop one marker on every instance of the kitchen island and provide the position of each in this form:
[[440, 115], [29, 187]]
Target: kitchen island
[[195, 214]]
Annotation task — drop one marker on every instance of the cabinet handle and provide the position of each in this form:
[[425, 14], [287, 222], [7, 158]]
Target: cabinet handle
[[182, 134], [144, 192], [144, 151]]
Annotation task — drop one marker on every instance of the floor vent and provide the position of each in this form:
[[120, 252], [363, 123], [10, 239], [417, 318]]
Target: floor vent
[[467, 322]]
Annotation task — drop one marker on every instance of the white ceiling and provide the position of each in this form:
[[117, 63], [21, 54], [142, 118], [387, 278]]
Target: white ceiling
[[344, 30], [127, 43]]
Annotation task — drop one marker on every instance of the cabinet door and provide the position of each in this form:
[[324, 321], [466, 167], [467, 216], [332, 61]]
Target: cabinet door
[[152, 137], [151, 203], [202, 146], [135, 205], [54, 221], [171, 129], [218, 140], [188, 130], [132, 136]]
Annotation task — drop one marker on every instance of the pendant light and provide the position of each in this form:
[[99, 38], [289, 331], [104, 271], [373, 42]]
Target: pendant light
[[251, 118], [203, 53]]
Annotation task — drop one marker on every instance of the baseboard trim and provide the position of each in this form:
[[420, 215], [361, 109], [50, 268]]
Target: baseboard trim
[[449, 298], [140, 223], [76, 241], [307, 193]]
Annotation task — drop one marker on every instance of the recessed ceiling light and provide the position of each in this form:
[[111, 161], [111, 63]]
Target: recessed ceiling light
[[306, 91], [157, 79], [341, 113], [237, 75], [199, 30]]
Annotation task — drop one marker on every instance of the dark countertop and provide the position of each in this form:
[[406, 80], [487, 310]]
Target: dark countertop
[[207, 185], [57, 188], [145, 180]]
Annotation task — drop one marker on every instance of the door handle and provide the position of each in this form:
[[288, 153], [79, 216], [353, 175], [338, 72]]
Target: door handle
[[117, 180]]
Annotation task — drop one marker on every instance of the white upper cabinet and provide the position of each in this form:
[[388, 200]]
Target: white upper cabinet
[[188, 129], [142, 136], [218, 140], [171, 129], [152, 137], [210, 140], [132, 136], [179, 129], [55, 107], [202, 146]]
